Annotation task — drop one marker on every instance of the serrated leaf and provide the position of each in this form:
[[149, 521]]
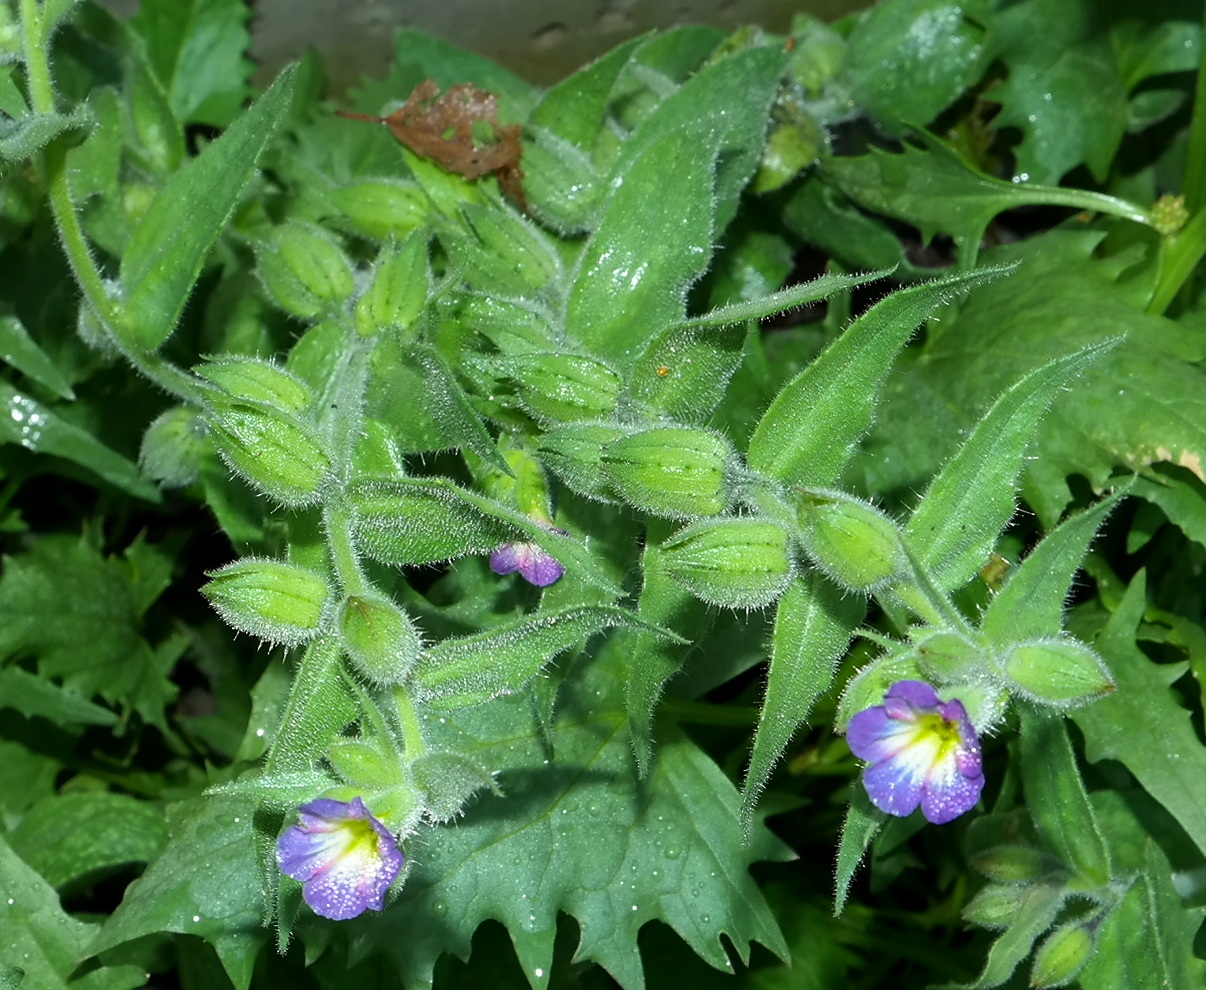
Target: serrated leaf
[[198, 50], [1141, 725], [652, 241], [169, 246], [41, 940], [469, 670], [955, 526], [675, 855], [18, 349], [809, 431], [75, 611], [71, 835], [206, 883], [1056, 797], [37, 697], [813, 623], [1031, 602]]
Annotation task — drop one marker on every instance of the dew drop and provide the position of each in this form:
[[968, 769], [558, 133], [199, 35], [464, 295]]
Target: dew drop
[[539, 973], [196, 918], [440, 908]]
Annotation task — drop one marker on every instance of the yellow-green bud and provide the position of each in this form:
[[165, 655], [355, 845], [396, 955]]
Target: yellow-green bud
[[563, 387], [399, 288], [379, 638], [996, 906], [1013, 864], [257, 381], [734, 563], [575, 455], [671, 471], [1058, 672], [1062, 955], [380, 209], [363, 765], [850, 540], [271, 599], [304, 270], [948, 656], [280, 454]]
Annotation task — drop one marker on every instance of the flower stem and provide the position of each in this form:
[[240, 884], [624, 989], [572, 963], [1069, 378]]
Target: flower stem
[[412, 737], [1179, 256], [1193, 183]]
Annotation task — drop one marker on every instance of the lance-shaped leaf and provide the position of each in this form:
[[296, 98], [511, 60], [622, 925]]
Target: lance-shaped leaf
[[809, 431], [574, 108], [19, 349], [26, 136], [1031, 603], [955, 526], [684, 369], [469, 670], [168, 247], [813, 624], [863, 820], [1056, 796]]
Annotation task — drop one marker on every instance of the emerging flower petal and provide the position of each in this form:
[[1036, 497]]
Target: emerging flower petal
[[344, 858], [534, 565], [920, 752]]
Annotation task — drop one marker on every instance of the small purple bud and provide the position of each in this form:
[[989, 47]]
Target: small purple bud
[[534, 565], [344, 858]]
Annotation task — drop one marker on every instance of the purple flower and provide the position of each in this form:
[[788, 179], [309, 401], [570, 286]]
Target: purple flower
[[920, 751], [343, 856], [534, 565]]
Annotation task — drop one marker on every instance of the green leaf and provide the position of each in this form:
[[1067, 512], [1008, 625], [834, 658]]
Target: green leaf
[[955, 526], [69, 836], [813, 623], [197, 49], [907, 61], [36, 697], [24, 137], [469, 670], [1146, 942], [574, 109], [205, 883], [319, 704], [169, 246], [76, 611], [1056, 796], [18, 349], [1141, 725], [652, 241], [38, 428], [1031, 603], [863, 820], [1036, 914], [809, 431], [1063, 89], [674, 855], [41, 941]]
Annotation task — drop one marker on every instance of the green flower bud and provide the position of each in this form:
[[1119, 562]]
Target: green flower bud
[[379, 638], [278, 453], [173, 446], [1012, 864], [850, 540], [948, 656], [399, 288], [364, 765], [271, 599], [734, 563], [258, 381], [1058, 672], [671, 471], [1062, 955], [575, 455], [996, 906], [304, 270], [502, 250], [563, 387], [380, 209]]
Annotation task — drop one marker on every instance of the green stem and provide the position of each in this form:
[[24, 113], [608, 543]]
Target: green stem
[[412, 737], [924, 597], [1179, 256], [1193, 183], [71, 234], [343, 553], [1083, 199]]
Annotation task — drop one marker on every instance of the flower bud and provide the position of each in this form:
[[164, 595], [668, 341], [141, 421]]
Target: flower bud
[[850, 540], [379, 209], [670, 471], [734, 563], [564, 387], [399, 289], [575, 455], [996, 906], [948, 656], [271, 599], [1014, 864], [304, 270], [173, 446], [278, 453], [258, 381], [379, 638], [363, 766], [1062, 955], [1058, 672]]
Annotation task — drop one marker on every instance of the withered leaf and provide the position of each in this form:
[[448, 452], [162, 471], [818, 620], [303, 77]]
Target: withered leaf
[[441, 128]]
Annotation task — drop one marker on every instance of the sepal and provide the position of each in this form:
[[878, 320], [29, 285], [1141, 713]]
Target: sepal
[[304, 270], [671, 471], [733, 563], [379, 209], [1059, 672], [254, 380], [1062, 955], [853, 542], [563, 388], [399, 290], [379, 637], [274, 600]]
